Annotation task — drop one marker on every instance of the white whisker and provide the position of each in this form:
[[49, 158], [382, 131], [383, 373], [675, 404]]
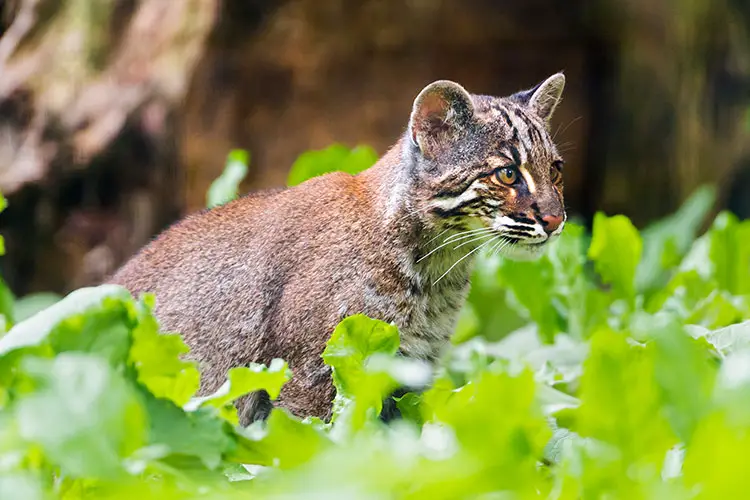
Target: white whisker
[[471, 231], [478, 238], [462, 258], [438, 236], [445, 243]]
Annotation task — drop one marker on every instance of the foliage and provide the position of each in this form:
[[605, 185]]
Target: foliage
[[613, 367], [332, 159], [226, 187]]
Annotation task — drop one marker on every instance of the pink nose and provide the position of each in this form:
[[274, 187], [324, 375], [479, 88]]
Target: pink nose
[[551, 223]]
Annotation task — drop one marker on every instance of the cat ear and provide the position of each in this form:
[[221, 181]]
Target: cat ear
[[441, 110], [544, 98]]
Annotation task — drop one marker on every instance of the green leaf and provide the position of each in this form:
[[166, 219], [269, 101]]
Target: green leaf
[[519, 430], [226, 187], [532, 286], [616, 250], [157, 360], [199, 434], [35, 330], [244, 380], [409, 407], [620, 401], [666, 241], [7, 307], [282, 441], [686, 373], [83, 415], [726, 340], [332, 159], [581, 304], [360, 391], [29, 305], [730, 253], [488, 300]]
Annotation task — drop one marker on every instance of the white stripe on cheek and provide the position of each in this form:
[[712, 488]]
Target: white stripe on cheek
[[451, 203], [529, 181]]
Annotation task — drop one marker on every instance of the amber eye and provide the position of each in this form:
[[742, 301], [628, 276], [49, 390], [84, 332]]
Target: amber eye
[[506, 175]]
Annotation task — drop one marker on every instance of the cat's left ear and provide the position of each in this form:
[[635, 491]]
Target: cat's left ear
[[544, 98]]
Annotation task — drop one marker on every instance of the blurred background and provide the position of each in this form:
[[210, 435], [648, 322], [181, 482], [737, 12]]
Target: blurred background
[[116, 115]]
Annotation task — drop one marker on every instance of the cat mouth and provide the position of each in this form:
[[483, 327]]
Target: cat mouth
[[519, 241]]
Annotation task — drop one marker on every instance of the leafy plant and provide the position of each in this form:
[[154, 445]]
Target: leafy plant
[[332, 159], [613, 367], [226, 187]]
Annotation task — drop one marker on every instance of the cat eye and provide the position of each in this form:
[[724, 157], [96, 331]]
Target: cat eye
[[505, 175]]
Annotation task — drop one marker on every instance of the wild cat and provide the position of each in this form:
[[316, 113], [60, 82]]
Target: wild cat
[[272, 273]]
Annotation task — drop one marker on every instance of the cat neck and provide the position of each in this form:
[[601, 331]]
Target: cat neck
[[423, 243]]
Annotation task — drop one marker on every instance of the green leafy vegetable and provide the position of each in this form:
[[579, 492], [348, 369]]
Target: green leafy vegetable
[[616, 250], [332, 159], [226, 187], [616, 366]]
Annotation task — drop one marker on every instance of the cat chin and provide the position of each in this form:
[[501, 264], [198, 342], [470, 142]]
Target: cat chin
[[527, 251], [524, 252]]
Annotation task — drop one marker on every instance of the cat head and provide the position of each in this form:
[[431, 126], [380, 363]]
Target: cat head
[[489, 165]]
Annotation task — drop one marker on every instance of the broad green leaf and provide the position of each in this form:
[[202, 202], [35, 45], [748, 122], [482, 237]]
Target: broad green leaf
[[715, 461], [582, 305], [409, 407], [621, 401], [730, 253], [532, 286], [226, 187], [667, 240], [29, 305], [35, 330], [685, 372], [83, 415], [481, 430], [242, 381], [332, 159], [7, 307], [353, 342], [726, 340], [199, 434], [157, 360], [616, 250], [282, 441], [698, 301], [489, 305]]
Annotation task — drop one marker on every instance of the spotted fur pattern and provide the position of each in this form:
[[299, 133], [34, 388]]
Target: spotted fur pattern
[[272, 273]]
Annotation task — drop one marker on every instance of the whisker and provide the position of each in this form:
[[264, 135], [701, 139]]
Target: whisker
[[478, 238], [448, 241], [495, 249], [567, 126], [445, 243], [413, 212], [438, 236], [471, 231], [462, 258], [492, 251]]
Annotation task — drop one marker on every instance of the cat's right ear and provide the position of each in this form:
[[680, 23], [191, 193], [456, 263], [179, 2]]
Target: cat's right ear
[[439, 114]]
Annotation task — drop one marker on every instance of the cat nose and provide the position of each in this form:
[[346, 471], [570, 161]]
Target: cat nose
[[551, 223]]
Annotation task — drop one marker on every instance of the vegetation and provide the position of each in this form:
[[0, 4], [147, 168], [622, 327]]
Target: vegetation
[[616, 366]]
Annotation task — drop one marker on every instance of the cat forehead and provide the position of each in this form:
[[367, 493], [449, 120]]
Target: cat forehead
[[511, 130], [505, 113]]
